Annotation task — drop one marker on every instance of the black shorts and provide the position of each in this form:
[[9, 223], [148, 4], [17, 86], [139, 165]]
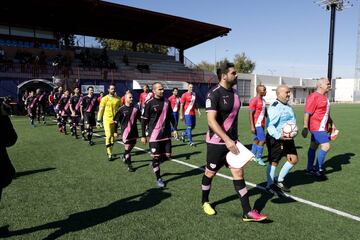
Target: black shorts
[[89, 118], [216, 157], [162, 148], [279, 148], [75, 120], [40, 109], [31, 112], [130, 142]]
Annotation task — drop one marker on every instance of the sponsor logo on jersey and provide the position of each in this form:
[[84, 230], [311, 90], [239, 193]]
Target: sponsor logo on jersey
[[208, 103]]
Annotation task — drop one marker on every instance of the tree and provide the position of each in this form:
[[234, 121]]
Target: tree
[[205, 66], [114, 44], [65, 40], [243, 64]]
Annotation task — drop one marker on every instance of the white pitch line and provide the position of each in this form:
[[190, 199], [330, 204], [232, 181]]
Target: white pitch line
[[298, 199]]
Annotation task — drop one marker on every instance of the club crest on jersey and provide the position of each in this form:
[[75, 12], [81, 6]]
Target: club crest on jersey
[[153, 150], [208, 103], [213, 165]]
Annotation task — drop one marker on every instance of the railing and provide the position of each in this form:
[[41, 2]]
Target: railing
[[16, 70]]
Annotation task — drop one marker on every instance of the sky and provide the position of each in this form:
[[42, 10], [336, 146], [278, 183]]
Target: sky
[[283, 37]]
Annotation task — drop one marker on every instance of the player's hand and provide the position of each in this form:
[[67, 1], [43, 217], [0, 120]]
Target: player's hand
[[99, 124], [181, 117], [73, 114], [175, 133], [143, 140], [253, 130], [305, 132], [115, 135], [231, 145], [199, 113]]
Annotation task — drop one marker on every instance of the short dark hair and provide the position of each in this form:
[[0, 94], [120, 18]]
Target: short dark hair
[[90, 87], [175, 88], [111, 84], [223, 69]]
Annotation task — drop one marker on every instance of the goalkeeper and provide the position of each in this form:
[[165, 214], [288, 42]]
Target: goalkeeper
[[108, 106]]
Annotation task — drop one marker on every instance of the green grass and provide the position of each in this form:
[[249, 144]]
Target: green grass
[[65, 189]]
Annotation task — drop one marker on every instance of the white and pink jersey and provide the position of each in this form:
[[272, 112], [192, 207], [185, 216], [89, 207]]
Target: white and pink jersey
[[189, 101], [258, 105], [175, 103], [318, 107]]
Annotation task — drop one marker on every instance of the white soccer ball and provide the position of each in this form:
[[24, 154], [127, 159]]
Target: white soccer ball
[[290, 130]]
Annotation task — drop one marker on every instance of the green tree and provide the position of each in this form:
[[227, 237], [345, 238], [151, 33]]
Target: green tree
[[205, 66], [243, 64], [114, 44]]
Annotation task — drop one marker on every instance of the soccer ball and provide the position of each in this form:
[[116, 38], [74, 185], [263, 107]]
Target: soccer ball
[[290, 130]]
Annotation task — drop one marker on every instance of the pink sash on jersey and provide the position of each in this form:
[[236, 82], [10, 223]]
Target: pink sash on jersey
[[160, 122], [33, 102], [91, 105], [78, 103], [215, 139], [129, 125]]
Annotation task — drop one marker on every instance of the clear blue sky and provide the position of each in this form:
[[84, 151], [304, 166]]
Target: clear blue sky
[[283, 37]]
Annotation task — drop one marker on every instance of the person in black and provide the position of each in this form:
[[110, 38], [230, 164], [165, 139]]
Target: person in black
[[31, 106], [63, 108], [158, 117], [57, 97], [41, 106], [222, 108], [8, 138], [87, 110], [126, 116], [75, 102]]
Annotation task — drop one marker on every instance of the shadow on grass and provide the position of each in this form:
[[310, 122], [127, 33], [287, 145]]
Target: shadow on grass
[[260, 203], [30, 172], [299, 177], [87, 219], [177, 176], [187, 156], [336, 162]]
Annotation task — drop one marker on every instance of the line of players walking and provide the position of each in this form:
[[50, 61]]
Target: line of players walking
[[159, 119]]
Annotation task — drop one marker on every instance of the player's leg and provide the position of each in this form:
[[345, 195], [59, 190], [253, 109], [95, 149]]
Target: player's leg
[[64, 119], [292, 159], [82, 128], [214, 161], [249, 215], [274, 155], [31, 114], [155, 152], [260, 136], [311, 155], [127, 154], [42, 113], [324, 142], [190, 122], [108, 140]]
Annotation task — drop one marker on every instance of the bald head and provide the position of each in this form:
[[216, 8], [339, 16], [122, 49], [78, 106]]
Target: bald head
[[128, 98], [323, 85], [283, 93]]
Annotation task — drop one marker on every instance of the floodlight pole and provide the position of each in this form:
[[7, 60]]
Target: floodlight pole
[[331, 41]]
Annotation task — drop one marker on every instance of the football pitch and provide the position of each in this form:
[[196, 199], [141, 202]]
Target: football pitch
[[66, 189]]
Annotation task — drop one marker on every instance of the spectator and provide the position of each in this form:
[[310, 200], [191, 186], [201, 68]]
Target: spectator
[[8, 138]]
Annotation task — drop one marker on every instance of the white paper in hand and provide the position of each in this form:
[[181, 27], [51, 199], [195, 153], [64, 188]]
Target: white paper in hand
[[239, 160]]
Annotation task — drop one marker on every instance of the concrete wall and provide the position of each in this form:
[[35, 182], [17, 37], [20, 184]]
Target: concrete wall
[[344, 90]]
